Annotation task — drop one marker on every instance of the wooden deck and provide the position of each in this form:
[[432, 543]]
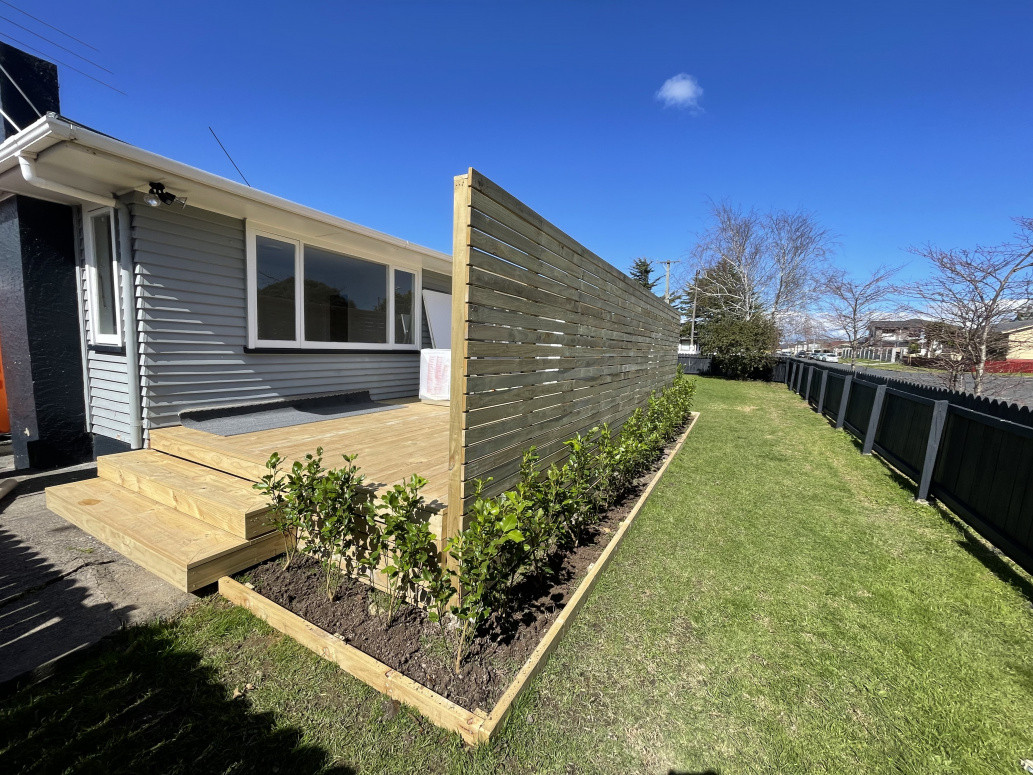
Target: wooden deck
[[390, 446], [185, 509]]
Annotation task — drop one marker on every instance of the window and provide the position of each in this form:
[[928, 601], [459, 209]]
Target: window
[[405, 292], [345, 298], [311, 296], [102, 278], [275, 271]]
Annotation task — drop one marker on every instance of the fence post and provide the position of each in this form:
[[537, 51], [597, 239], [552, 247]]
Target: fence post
[[841, 416], [810, 376], [932, 446], [821, 390], [873, 420], [791, 374]]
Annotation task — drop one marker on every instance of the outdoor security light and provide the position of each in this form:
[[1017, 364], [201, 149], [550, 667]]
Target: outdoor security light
[[158, 195]]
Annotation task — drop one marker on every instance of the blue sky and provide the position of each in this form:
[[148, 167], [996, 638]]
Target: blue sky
[[895, 123]]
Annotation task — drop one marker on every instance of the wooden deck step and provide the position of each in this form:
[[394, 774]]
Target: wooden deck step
[[195, 445], [184, 551], [224, 501]]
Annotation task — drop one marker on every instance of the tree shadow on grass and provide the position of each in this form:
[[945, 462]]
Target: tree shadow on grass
[[142, 704]]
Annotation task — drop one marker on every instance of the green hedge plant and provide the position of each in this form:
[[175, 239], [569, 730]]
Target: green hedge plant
[[508, 537]]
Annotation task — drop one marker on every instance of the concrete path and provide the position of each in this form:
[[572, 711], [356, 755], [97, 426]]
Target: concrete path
[[61, 589]]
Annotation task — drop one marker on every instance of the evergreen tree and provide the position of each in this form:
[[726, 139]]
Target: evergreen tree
[[642, 273]]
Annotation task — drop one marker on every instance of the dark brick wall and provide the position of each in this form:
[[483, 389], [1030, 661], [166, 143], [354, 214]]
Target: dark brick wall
[[39, 321]]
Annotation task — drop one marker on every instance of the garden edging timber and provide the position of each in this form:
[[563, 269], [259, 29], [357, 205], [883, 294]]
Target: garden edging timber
[[474, 726]]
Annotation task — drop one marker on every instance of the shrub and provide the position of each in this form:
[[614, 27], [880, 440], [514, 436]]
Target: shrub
[[344, 516], [406, 541], [741, 349], [580, 485], [481, 572], [328, 509], [284, 515]]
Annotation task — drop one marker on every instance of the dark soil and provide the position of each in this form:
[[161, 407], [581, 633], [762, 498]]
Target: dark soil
[[412, 644]]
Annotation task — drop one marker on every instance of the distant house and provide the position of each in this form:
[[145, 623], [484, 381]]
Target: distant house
[[1019, 334], [686, 347], [896, 333]]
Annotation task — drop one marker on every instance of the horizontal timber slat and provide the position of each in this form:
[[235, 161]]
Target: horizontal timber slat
[[574, 258], [548, 340]]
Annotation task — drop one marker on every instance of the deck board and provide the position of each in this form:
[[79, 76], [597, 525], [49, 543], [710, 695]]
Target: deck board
[[390, 446]]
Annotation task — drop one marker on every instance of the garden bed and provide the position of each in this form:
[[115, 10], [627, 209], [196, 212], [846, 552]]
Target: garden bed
[[403, 661]]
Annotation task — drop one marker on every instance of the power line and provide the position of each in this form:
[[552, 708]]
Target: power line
[[52, 43], [228, 155], [58, 61], [47, 24], [19, 88]]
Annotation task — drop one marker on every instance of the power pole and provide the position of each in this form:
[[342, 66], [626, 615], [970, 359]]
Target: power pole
[[692, 322], [667, 280]]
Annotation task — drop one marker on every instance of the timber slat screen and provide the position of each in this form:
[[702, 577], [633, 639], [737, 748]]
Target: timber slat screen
[[978, 464], [548, 341]]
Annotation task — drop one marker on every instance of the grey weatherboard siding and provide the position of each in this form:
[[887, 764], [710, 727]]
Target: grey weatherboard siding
[[107, 385], [190, 271]]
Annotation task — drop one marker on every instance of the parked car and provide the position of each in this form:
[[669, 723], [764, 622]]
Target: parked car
[[831, 358]]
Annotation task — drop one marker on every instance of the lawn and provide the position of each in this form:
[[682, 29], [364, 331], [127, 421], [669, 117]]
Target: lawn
[[781, 605]]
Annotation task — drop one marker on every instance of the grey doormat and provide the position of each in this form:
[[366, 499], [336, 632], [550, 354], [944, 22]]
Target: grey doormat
[[235, 419]]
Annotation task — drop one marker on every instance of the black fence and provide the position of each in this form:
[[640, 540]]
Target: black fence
[[977, 463], [994, 407]]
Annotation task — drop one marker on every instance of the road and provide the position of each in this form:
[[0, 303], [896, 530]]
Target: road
[[1013, 388]]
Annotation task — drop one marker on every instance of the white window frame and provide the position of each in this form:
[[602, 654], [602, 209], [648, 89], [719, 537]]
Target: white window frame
[[93, 278], [253, 231]]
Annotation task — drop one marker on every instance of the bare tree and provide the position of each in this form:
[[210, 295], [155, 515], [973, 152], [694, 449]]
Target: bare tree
[[730, 257], [749, 263], [798, 249], [804, 327], [971, 292], [851, 304]]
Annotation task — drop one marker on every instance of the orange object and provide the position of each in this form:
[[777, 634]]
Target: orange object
[[5, 418]]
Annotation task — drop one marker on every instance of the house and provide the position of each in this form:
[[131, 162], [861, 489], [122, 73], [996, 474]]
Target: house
[[143, 298], [135, 286], [1019, 335], [896, 333]]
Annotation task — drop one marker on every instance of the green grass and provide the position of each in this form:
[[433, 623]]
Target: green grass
[[781, 605]]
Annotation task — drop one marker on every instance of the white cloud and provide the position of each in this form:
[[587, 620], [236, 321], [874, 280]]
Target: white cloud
[[681, 91]]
